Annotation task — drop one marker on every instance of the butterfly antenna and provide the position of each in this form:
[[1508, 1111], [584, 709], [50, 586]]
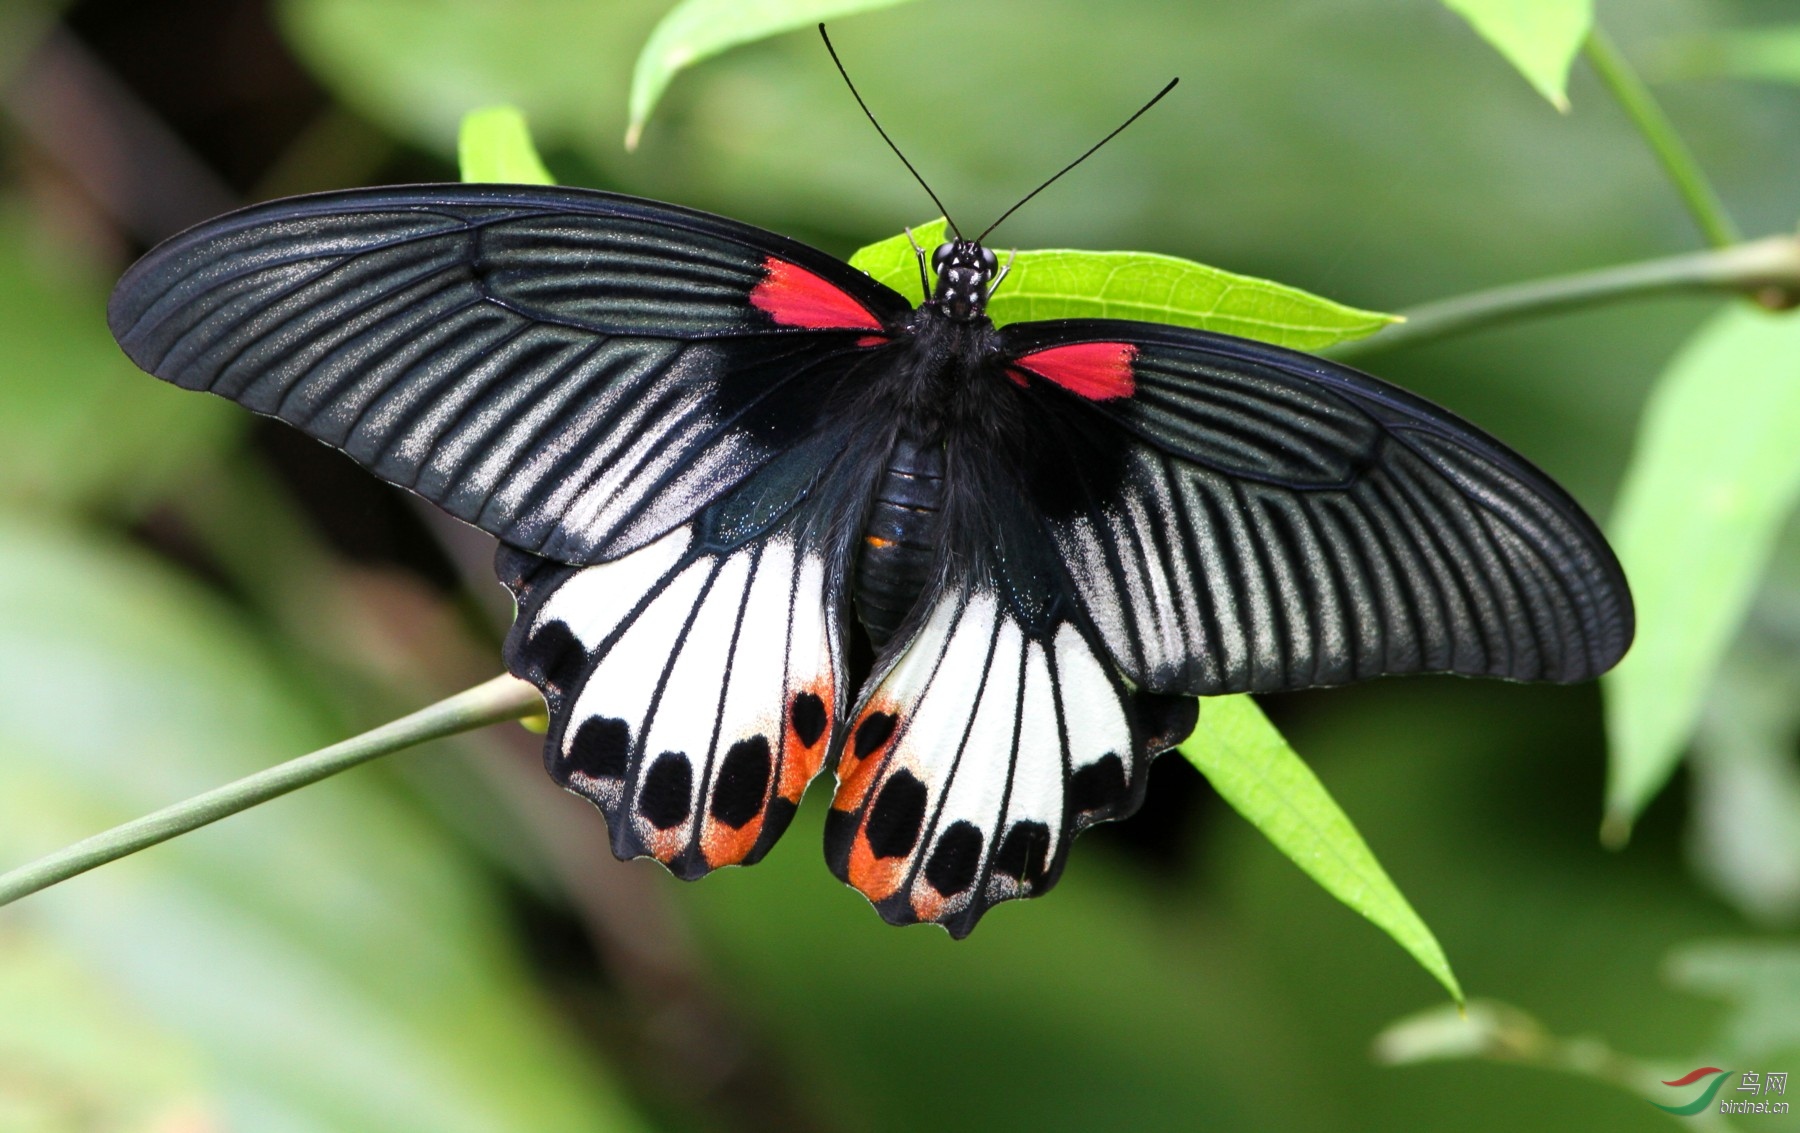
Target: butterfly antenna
[[1090, 153], [890, 141]]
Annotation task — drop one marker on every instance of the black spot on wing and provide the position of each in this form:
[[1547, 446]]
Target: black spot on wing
[[808, 716], [556, 659], [873, 732], [954, 863], [668, 786], [1023, 851], [601, 749], [1099, 785], [743, 782], [898, 816]]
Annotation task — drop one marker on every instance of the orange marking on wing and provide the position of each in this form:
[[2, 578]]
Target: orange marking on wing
[[927, 903], [799, 771], [872, 340], [875, 878], [853, 772], [854, 777], [878, 541], [666, 845], [795, 297], [724, 846], [1098, 371], [802, 762]]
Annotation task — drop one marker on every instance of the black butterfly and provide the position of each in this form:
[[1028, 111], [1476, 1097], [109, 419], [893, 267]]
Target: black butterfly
[[702, 446]]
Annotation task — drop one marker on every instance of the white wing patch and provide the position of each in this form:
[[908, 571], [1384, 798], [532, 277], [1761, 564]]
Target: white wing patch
[[693, 694], [977, 758], [594, 601]]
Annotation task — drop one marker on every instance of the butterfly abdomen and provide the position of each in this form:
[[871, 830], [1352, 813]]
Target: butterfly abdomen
[[899, 538]]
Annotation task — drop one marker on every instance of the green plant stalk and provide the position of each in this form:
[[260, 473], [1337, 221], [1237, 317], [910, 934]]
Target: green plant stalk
[[1766, 270], [1499, 1032], [503, 698], [1635, 97]]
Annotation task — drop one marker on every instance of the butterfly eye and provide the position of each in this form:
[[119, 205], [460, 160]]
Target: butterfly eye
[[988, 262], [942, 256]]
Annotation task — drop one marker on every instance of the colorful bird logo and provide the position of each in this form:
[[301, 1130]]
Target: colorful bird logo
[[1706, 1096]]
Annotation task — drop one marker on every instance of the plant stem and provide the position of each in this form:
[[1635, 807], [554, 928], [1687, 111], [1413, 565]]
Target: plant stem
[[1500, 1032], [503, 698], [1644, 111], [1766, 270]]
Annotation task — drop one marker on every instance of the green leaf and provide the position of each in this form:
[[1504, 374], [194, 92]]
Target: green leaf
[[1539, 37], [894, 262], [1064, 284], [1253, 768], [494, 144], [1715, 472], [697, 29]]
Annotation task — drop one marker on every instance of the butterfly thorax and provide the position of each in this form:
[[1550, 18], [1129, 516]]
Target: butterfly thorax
[[950, 339]]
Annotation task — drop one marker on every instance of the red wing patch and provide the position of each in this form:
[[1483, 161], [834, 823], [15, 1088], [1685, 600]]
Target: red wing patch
[[795, 297], [1098, 371]]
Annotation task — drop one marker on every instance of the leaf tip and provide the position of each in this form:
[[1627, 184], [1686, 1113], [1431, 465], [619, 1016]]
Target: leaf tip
[[1454, 987], [633, 133], [1615, 828]]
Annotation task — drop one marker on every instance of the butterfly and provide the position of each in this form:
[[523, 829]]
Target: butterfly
[[711, 455]]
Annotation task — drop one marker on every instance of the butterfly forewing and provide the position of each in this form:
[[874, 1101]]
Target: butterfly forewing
[[1248, 518], [575, 372]]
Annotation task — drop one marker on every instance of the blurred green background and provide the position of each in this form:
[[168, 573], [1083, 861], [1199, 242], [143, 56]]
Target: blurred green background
[[441, 943]]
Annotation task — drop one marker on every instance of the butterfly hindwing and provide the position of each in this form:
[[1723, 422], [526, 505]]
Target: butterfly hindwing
[[693, 694], [1238, 517], [697, 685], [993, 731], [971, 766], [575, 372]]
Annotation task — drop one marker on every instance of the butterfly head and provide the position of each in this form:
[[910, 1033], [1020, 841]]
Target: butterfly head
[[964, 271]]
